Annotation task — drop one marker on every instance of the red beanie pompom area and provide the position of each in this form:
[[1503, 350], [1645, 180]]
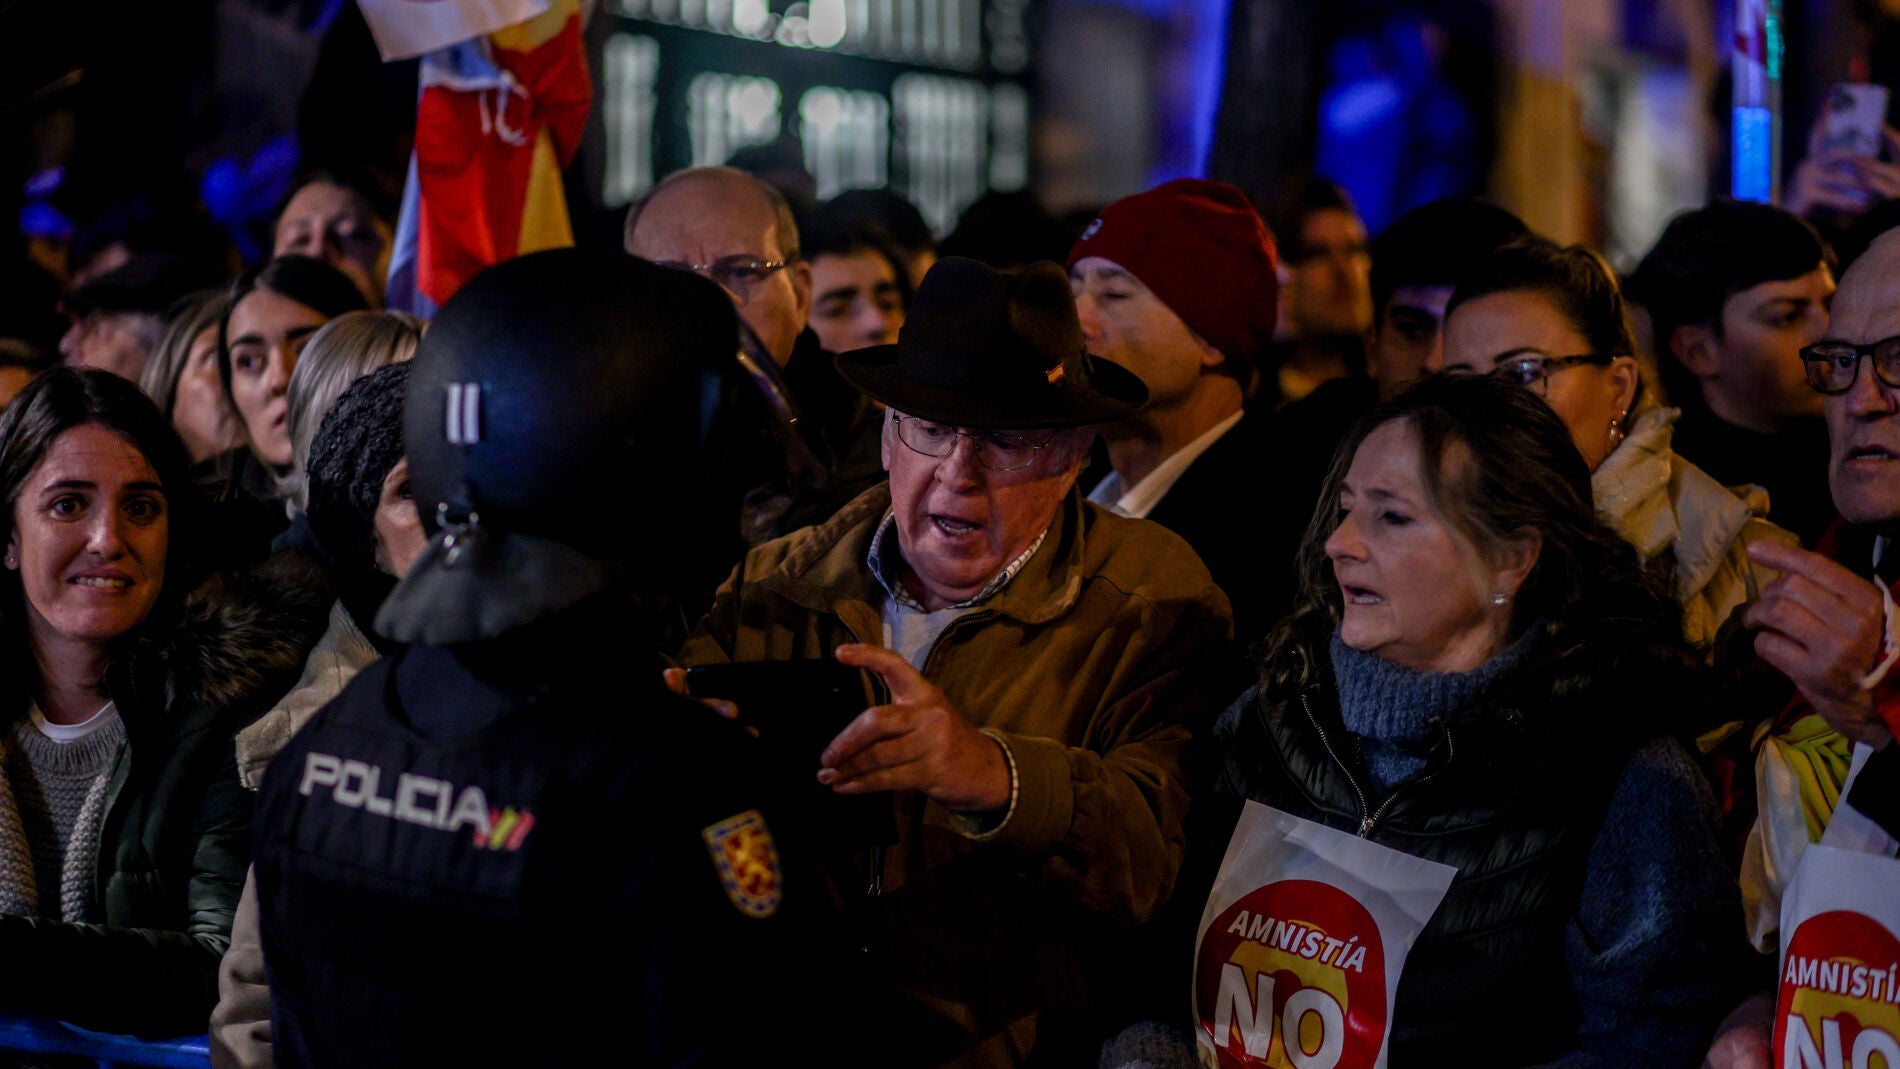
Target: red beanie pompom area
[[1200, 247]]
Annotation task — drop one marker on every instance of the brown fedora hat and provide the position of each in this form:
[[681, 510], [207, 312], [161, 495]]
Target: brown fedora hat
[[996, 350]]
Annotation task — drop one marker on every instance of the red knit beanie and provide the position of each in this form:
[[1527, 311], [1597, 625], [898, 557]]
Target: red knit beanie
[[1200, 247]]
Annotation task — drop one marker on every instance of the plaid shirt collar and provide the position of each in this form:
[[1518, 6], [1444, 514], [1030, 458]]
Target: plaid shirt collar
[[885, 568]]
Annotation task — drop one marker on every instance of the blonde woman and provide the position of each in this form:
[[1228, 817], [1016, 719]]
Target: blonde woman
[[345, 349]]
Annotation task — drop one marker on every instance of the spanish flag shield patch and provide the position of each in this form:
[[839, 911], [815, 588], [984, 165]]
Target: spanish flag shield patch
[[747, 861]]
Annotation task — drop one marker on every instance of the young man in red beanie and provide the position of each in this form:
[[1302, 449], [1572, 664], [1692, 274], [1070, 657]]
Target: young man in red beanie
[[1178, 284]]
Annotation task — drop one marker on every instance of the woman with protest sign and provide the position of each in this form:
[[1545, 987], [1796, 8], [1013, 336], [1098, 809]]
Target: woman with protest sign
[[1469, 837]]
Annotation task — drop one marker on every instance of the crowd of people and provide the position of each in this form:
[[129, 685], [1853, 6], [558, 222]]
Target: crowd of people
[[373, 672]]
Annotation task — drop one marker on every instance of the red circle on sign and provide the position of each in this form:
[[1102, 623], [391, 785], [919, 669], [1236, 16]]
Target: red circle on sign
[[1265, 935], [1831, 956]]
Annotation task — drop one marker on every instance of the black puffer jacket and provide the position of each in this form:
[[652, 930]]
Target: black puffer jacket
[[176, 840], [1592, 920]]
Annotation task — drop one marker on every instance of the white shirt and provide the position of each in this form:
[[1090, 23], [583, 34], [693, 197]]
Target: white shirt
[[68, 733], [1146, 494]]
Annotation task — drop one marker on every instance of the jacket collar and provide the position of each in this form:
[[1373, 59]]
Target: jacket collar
[[239, 636], [828, 566], [1658, 501]]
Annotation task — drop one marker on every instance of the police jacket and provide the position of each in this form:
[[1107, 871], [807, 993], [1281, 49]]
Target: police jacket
[[529, 853], [1592, 918], [176, 836]]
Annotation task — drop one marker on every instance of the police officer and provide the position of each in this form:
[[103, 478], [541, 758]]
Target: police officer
[[506, 843]]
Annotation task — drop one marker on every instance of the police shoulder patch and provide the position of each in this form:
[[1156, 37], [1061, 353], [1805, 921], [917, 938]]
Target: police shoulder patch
[[747, 861]]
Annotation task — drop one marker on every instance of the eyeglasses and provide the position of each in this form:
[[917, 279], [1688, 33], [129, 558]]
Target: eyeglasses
[[738, 274], [995, 450], [1533, 372], [1833, 366]]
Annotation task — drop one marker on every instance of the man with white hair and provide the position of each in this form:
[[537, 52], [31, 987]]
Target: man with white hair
[[1044, 668], [1824, 624]]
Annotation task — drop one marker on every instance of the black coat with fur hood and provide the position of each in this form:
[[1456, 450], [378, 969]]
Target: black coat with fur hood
[[176, 838]]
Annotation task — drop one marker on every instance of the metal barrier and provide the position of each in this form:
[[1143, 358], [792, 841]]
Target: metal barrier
[[38, 1035]]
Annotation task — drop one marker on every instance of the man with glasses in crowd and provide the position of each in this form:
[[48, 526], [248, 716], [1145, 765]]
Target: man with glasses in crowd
[[1044, 666], [1827, 624], [1824, 624], [793, 441]]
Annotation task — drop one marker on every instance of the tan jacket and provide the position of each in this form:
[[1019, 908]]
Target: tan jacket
[[342, 652], [1098, 665], [240, 1023], [1662, 503]]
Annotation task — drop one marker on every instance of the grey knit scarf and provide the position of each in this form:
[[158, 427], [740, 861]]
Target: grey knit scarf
[[43, 785], [1400, 713]]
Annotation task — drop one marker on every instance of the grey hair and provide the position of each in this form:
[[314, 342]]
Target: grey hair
[[340, 352]]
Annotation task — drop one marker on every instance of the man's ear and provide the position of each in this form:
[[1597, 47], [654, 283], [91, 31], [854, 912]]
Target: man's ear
[[1211, 358], [1080, 441], [800, 273], [1696, 348]]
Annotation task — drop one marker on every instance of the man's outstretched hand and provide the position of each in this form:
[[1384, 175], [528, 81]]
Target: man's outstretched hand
[[918, 742]]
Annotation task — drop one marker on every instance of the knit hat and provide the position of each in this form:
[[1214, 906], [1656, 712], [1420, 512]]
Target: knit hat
[[358, 443], [1200, 247]]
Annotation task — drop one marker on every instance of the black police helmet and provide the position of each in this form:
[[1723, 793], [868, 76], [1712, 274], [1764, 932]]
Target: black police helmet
[[554, 422]]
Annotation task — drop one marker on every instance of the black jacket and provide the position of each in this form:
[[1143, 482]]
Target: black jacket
[[1791, 465], [1215, 507], [176, 838], [1592, 912], [575, 907], [755, 489]]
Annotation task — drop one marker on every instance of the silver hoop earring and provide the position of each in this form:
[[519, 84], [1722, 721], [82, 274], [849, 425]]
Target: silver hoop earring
[[1500, 598]]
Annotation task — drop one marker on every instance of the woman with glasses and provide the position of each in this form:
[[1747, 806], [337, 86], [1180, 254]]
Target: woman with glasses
[[1551, 319]]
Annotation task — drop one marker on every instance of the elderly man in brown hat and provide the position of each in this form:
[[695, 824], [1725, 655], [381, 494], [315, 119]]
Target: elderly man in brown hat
[[1044, 666]]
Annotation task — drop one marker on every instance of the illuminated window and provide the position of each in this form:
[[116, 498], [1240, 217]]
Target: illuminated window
[[847, 138], [727, 112], [939, 33], [1009, 34], [1009, 136], [630, 67], [829, 23], [942, 143]]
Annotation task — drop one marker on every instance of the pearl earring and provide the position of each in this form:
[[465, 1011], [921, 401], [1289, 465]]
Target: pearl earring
[[1500, 598], [1616, 431]]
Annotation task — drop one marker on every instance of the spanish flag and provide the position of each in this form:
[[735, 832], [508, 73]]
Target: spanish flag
[[498, 118]]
